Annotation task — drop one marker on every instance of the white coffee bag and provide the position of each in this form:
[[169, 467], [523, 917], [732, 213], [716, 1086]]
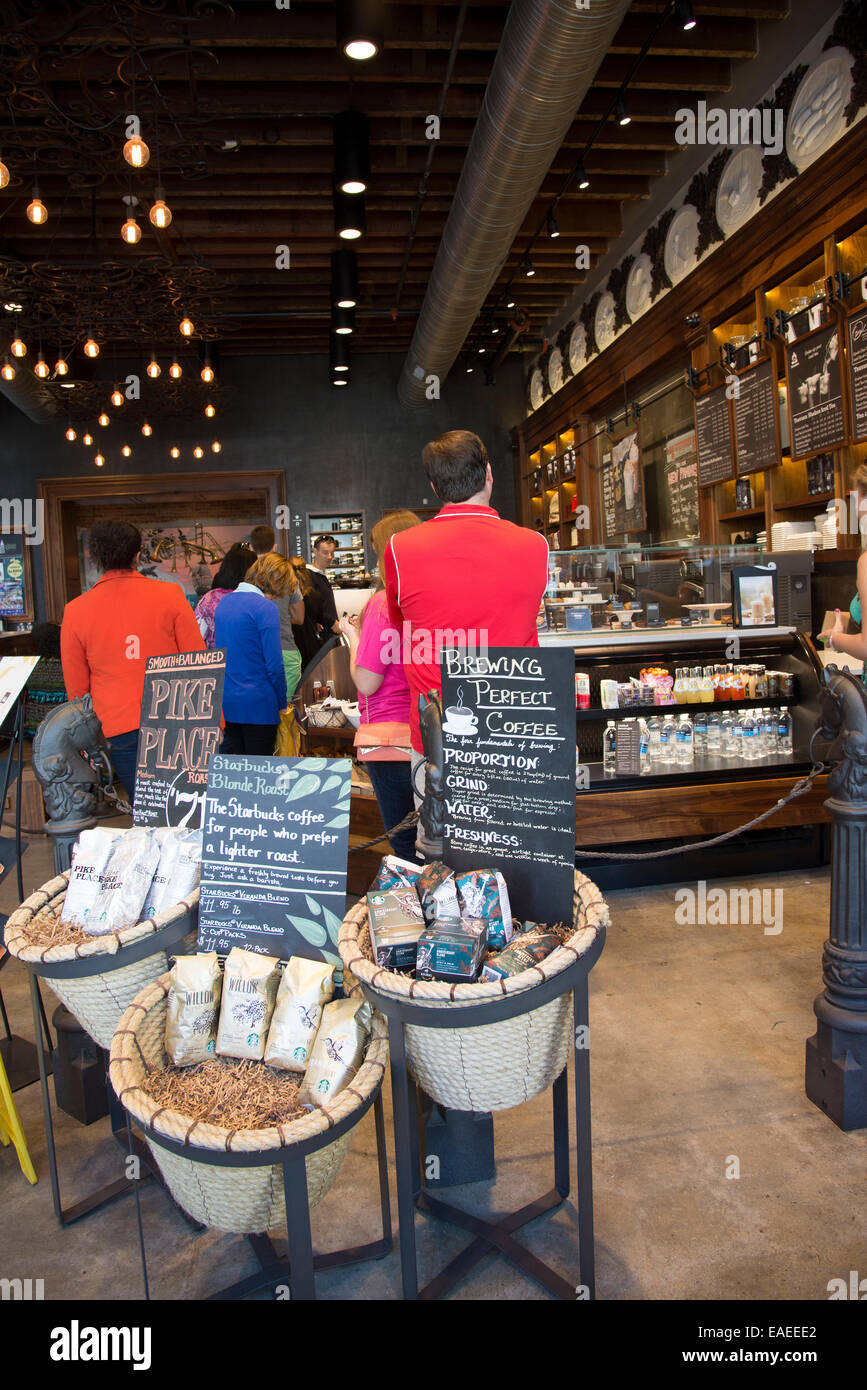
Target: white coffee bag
[[177, 873], [338, 1050], [249, 989], [191, 1017], [125, 883], [306, 985], [90, 856]]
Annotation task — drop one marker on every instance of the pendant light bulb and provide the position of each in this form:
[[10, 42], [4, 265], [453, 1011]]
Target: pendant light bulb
[[186, 327], [160, 214], [198, 452], [176, 371], [136, 152], [91, 348], [7, 371], [116, 397], [360, 28], [61, 367], [216, 446], [104, 420], [42, 368], [4, 175], [131, 231], [70, 434], [37, 212], [87, 440], [18, 347], [210, 410], [175, 451], [99, 460], [207, 373], [126, 451], [153, 368], [146, 429]]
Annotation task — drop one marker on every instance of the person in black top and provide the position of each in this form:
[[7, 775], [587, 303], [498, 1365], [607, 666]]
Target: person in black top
[[306, 634], [323, 553]]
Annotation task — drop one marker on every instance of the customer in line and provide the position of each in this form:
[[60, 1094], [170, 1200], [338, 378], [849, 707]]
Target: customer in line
[[108, 634], [323, 553], [854, 643], [290, 607], [236, 561], [383, 691], [248, 626], [465, 574], [306, 633]]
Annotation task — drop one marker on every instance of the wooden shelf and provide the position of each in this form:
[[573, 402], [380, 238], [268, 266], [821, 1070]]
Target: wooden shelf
[[803, 502], [738, 515], [848, 556]]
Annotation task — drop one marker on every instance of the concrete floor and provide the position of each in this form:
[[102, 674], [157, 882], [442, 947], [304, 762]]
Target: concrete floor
[[697, 1070]]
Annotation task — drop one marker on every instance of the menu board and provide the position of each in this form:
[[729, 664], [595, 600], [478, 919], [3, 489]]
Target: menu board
[[713, 437], [274, 856], [608, 496], [680, 477], [857, 331], [509, 763], [815, 378], [629, 509], [179, 733], [756, 420]]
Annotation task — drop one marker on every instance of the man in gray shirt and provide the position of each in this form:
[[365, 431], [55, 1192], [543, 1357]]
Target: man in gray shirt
[[290, 608]]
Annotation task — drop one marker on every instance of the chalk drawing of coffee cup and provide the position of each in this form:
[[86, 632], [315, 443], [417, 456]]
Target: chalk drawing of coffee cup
[[460, 719]]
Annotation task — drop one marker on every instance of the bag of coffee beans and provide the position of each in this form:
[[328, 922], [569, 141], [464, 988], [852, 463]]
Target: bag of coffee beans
[[483, 893], [90, 856], [338, 1050], [177, 873], [438, 894], [124, 884], [526, 950], [306, 985], [395, 873], [194, 999], [249, 989]]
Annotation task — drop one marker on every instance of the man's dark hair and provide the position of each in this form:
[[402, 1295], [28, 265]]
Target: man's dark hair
[[114, 545], [236, 561], [46, 639], [455, 463], [324, 539], [262, 539]]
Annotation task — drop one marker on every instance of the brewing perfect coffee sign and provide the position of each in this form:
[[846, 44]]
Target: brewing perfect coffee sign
[[180, 732], [274, 856], [509, 770]]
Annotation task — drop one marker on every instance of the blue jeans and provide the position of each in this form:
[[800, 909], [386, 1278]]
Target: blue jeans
[[394, 794], [122, 750]]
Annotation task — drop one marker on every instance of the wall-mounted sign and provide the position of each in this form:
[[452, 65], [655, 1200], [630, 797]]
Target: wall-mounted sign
[[814, 373], [680, 478], [629, 510], [756, 420], [857, 343], [713, 437]]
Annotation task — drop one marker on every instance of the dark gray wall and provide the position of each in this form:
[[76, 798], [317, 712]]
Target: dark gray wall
[[345, 449]]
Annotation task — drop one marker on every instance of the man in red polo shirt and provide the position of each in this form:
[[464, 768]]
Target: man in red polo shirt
[[465, 578]]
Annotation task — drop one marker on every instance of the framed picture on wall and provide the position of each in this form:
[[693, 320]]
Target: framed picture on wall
[[16, 578]]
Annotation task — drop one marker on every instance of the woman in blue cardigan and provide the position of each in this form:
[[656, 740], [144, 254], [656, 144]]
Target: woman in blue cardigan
[[247, 624]]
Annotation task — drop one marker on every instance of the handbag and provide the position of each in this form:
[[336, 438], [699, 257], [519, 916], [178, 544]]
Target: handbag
[[387, 742]]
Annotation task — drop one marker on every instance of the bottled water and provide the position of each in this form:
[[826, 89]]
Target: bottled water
[[750, 749], [644, 747], [714, 741], [728, 724], [699, 733], [684, 742], [609, 741], [784, 731], [666, 740], [768, 733], [654, 724]]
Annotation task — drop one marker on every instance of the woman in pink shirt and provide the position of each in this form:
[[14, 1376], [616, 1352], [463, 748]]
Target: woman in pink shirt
[[383, 693]]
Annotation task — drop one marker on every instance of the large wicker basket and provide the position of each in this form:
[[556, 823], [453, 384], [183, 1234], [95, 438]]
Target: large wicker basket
[[496, 1065], [96, 1000], [241, 1200]]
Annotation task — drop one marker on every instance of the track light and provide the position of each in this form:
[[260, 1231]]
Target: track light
[[351, 151], [343, 320], [683, 14], [360, 28], [581, 175], [350, 221], [469, 367], [528, 265], [623, 116], [553, 229], [344, 278]]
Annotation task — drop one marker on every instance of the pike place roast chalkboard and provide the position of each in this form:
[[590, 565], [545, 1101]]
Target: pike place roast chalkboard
[[509, 753], [179, 733], [274, 856]]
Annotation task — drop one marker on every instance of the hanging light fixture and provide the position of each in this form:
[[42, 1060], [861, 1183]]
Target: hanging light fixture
[[186, 327], [340, 381], [4, 175], [117, 397], [37, 212], [350, 221], [198, 452], [176, 371], [99, 460], [683, 14], [360, 28], [131, 231], [91, 348], [104, 420], [623, 116], [529, 270], [207, 373], [61, 367], [351, 133], [41, 367], [136, 152], [343, 320], [553, 229], [160, 214], [153, 367], [210, 411], [338, 354], [175, 451], [18, 347], [146, 429], [87, 440], [344, 278], [126, 451], [216, 446], [7, 371], [70, 435], [581, 175]]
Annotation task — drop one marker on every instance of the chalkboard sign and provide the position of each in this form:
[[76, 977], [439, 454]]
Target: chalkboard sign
[[756, 420], [629, 509], [179, 733], [680, 476], [713, 437], [815, 379], [509, 750], [858, 373], [274, 855], [608, 496]]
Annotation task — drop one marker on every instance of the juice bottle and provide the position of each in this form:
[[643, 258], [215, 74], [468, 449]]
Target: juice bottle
[[737, 687]]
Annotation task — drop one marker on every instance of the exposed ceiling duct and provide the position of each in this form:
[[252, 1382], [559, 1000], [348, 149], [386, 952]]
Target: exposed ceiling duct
[[30, 395], [547, 59]]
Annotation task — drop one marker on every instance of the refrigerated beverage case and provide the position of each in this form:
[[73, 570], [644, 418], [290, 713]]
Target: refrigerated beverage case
[[784, 731], [684, 742], [609, 742]]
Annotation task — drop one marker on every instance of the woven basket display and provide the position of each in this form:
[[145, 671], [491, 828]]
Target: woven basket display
[[322, 718], [242, 1200], [495, 1065], [97, 1001]]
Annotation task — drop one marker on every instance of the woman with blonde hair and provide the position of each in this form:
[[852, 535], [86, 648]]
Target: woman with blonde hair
[[247, 624], [383, 693], [854, 643]]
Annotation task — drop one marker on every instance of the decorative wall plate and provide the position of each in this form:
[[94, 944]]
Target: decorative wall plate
[[737, 195], [817, 115], [537, 388], [681, 243], [555, 370], [638, 287], [603, 324], [577, 348]]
